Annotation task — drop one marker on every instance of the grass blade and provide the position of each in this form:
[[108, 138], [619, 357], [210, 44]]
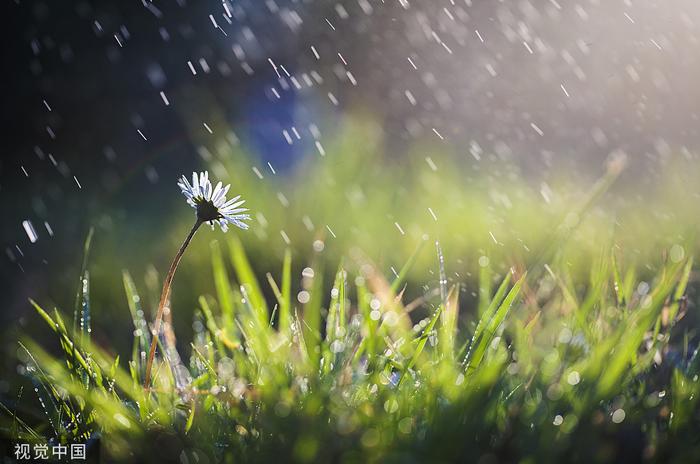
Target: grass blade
[[476, 355]]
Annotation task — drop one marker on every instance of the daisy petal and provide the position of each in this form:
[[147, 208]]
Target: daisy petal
[[210, 202], [222, 199], [195, 184]]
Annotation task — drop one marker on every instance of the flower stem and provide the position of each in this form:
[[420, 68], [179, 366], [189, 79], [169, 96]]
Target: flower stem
[[167, 284]]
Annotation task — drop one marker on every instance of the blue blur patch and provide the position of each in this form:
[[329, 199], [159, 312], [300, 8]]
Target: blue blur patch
[[266, 117]]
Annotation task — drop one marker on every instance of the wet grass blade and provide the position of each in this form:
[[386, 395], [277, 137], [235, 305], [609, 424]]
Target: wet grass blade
[[679, 294], [283, 296], [422, 340], [619, 287], [485, 288], [311, 322], [246, 277], [476, 353], [222, 284], [335, 321], [490, 310], [286, 295], [448, 328], [614, 363], [80, 307], [403, 273], [85, 328], [142, 336]]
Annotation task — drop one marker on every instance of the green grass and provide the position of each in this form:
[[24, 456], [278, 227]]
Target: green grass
[[537, 376], [512, 328]]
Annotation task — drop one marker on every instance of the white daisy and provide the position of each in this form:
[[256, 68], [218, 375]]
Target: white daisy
[[211, 203]]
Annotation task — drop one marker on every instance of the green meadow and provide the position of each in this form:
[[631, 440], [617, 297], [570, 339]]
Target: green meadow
[[424, 308]]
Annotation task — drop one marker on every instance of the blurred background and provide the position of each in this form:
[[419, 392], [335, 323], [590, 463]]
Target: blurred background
[[365, 125]]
